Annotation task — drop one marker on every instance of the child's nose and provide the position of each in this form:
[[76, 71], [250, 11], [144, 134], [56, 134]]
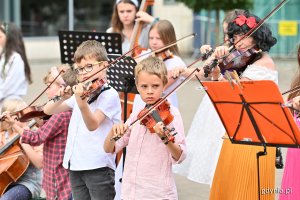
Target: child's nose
[[150, 90]]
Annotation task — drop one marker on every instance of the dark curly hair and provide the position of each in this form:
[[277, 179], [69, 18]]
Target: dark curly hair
[[262, 36]]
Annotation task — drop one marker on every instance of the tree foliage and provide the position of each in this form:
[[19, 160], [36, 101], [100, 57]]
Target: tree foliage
[[198, 5], [217, 5]]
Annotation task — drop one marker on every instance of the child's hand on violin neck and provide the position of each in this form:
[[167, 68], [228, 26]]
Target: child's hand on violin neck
[[160, 128], [65, 92], [119, 130], [205, 48], [6, 116], [220, 52], [296, 102], [177, 71], [78, 89]]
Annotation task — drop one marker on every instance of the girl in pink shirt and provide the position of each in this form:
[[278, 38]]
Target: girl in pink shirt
[[149, 158], [290, 185]]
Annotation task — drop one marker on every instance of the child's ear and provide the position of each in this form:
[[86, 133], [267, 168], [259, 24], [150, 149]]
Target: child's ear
[[105, 63], [137, 87]]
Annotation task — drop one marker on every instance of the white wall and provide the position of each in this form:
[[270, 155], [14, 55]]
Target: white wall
[[182, 19], [42, 48]]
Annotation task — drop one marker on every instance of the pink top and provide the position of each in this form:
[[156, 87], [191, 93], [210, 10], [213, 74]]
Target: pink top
[[148, 164], [297, 119]]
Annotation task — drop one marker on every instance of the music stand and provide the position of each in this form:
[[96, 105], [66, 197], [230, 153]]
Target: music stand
[[253, 113], [70, 40], [121, 77]]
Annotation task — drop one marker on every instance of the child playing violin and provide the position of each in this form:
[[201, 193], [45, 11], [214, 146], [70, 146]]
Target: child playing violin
[[53, 134], [161, 34], [91, 170], [28, 186], [148, 167]]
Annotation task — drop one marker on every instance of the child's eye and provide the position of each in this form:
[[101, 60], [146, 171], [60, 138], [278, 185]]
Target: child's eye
[[89, 68]]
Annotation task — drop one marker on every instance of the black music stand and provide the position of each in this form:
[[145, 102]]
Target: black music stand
[[253, 113], [70, 40], [121, 77]]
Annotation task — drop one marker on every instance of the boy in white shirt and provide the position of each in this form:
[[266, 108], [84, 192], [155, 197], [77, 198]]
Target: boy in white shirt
[[91, 170]]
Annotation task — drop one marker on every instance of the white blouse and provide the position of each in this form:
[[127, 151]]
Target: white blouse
[[258, 72]]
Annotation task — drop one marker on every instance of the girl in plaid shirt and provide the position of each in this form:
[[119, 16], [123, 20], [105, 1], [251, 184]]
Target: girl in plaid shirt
[[53, 134]]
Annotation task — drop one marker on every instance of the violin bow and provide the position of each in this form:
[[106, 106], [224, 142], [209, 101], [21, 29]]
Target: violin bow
[[168, 45], [13, 113], [155, 51], [160, 101], [295, 89], [61, 71]]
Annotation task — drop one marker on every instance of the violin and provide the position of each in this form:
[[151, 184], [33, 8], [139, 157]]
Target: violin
[[237, 59], [164, 55], [28, 113], [93, 88], [161, 113]]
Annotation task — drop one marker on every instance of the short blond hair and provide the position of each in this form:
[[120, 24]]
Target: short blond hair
[[152, 65], [13, 105], [90, 49]]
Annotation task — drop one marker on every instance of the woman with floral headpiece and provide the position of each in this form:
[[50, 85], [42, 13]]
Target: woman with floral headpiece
[[236, 173]]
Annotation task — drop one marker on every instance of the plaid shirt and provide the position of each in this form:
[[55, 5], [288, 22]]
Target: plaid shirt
[[54, 135]]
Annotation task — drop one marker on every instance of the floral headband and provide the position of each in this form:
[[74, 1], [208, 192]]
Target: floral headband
[[54, 74], [242, 19]]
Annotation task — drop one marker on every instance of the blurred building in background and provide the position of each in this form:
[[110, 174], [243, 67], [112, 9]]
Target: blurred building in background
[[41, 20]]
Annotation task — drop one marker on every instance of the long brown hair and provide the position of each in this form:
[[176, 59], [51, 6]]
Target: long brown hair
[[116, 24], [167, 34], [14, 43], [296, 80]]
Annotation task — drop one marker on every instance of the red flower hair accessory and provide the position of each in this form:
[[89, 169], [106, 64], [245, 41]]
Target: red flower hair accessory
[[242, 19]]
